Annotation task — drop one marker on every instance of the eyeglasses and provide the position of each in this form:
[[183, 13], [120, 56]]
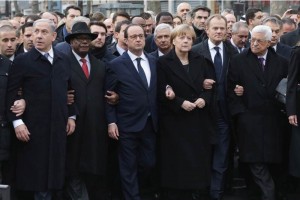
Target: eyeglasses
[[134, 37], [259, 41]]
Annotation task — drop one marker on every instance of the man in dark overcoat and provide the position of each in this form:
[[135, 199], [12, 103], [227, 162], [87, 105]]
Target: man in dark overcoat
[[87, 147], [41, 132], [216, 26], [259, 119]]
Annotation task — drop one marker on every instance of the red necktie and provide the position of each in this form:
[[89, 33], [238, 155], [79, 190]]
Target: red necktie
[[85, 67]]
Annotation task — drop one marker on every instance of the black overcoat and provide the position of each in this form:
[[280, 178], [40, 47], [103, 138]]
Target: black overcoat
[[293, 108], [185, 136], [259, 119], [40, 162], [87, 146]]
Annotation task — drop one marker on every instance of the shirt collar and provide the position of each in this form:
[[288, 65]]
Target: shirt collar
[[78, 57], [160, 53], [264, 56], [120, 49], [212, 45], [133, 57], [50, 52]]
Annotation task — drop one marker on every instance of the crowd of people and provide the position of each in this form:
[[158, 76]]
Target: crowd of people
[[149, 106]]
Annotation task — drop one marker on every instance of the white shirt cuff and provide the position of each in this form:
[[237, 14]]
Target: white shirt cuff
[[17, 123]]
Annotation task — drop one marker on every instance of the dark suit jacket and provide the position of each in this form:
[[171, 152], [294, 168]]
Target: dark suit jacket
[[155, 54], [113, 49], [284, 50], [292, 99], [44, 87], [150, 44], [228, 53], [291, 38], [259, 119], [20, 50], [87, 146], [136, 101]]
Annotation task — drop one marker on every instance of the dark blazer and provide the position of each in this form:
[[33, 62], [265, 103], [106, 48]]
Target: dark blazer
[[228, 53], [259, 119], [40, 163], [5, 134], [87, 146], [155, 54], [63, 47], [184, 136], [150, 44], [293, 108], [136, 101], [20, 49], [291, 38], [113, 49], [284, 50]]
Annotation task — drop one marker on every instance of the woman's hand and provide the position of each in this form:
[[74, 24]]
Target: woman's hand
[[200, 103], [188, 106]]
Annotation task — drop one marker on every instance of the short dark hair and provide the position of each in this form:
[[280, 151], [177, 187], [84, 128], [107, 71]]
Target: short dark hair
[[120, 13], [131, 25], [66, 11], [61, 15], [161, 14], [33, 17], [204, 8], [24, 26], [273, 20], [146, 15], [120, 24], [288, 21], [250, 13], [98, 23]]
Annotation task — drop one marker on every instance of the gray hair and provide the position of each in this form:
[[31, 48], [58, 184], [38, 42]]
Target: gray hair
[[80, 19], [181, 4], [50, 23], [273, 20], [161, 27], [237, 25], [266, 30], [227, 11]]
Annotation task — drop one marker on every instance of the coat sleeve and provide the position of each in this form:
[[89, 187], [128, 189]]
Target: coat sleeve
[[15, 81], [110, 84], [293, 74], [162, 82], [236, 105]]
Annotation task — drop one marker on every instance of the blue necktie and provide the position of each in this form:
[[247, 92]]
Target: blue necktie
[[218, 63], [141, 72]]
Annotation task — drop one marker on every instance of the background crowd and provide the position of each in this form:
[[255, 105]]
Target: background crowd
[[164, 106]]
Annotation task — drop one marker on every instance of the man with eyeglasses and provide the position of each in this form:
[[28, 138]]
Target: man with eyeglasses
[[133, 121], [87, 147], [259, 118]]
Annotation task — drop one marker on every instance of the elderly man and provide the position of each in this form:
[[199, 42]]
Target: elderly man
[[259, 119], [162, 38], [182, 9]]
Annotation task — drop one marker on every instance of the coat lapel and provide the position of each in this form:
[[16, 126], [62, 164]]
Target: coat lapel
[[77, 68], [152, 64], [130, 66], [255, 66]]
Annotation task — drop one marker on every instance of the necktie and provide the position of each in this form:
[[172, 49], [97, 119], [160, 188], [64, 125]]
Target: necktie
[[85, 67], [261, 62], [240, 50], [141, 72], [46, 55], [218, 63]]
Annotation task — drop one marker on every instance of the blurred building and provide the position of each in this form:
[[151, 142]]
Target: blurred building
[[134, 7]]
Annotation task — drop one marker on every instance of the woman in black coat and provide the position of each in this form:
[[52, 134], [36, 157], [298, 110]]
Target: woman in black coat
[[293, 111], [185, 118]]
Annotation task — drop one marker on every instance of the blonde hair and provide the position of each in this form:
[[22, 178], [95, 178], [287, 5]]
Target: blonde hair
[[183, 29]]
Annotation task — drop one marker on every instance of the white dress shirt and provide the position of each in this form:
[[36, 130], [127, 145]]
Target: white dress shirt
[[78, 58], [213, 52]]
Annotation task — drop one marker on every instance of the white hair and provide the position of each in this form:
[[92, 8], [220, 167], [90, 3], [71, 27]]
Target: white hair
[[181, 4], [161, 27], [266, 30]]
